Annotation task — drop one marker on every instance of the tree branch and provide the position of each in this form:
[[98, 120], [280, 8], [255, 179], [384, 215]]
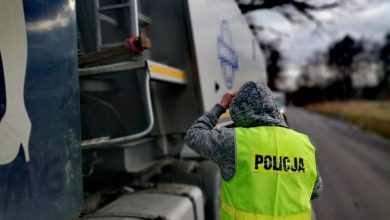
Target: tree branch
[[302, 7]]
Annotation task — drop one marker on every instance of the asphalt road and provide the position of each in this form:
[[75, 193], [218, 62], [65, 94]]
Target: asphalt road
[[354, 165]]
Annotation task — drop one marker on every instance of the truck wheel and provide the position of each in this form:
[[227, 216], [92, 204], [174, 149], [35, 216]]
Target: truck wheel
[[211, 187]]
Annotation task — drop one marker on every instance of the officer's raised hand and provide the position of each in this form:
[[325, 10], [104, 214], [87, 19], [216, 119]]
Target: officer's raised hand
[[227, 99]]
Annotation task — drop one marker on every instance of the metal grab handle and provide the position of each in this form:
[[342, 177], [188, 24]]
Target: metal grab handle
[[107, 143], [134, 29]]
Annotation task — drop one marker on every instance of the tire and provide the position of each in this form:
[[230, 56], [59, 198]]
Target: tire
[[211, 188]]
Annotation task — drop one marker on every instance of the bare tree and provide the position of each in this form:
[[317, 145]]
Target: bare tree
[[293, 11], [343, 70], [384, 85], [274, 61], [303, 7]]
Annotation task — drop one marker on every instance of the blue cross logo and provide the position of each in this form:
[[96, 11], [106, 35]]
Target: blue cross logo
[[227, 55]]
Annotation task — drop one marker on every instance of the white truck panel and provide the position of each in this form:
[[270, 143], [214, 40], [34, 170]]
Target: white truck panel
[[226, 51]]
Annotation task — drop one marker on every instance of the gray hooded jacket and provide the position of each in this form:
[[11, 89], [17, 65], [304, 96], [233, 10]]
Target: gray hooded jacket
[[252, 106]]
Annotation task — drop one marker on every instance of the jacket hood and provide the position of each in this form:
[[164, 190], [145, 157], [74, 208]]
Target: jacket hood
[[255, 106]]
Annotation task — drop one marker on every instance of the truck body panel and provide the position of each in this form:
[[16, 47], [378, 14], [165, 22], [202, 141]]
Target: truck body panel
[[227, 53], [48, 184]]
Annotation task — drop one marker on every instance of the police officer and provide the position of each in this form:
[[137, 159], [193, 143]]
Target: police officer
[[269, 171]]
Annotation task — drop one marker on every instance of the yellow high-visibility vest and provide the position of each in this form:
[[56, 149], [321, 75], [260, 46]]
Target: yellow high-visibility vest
[[274, 178]]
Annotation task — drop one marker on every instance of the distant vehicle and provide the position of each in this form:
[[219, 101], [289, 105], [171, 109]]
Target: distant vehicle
[[280, 99]]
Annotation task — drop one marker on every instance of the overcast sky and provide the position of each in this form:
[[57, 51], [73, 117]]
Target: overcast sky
[[369, 19]]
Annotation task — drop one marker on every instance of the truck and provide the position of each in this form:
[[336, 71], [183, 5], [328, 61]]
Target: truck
[[96, 97]]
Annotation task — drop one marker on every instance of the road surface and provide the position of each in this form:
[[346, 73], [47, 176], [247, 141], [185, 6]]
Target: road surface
[[354, 165]]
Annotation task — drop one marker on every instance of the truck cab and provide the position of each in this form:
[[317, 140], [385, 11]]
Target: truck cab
[[95, 99]]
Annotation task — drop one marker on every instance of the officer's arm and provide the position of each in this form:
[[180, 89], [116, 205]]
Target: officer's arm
[[318, 187], [217, 145], [209, 142], [206, 141]]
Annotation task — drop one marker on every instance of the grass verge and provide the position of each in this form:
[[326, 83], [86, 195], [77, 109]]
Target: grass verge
[[372, 116]]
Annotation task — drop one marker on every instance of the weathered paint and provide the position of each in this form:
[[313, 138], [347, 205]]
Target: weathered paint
[[49, 184]]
